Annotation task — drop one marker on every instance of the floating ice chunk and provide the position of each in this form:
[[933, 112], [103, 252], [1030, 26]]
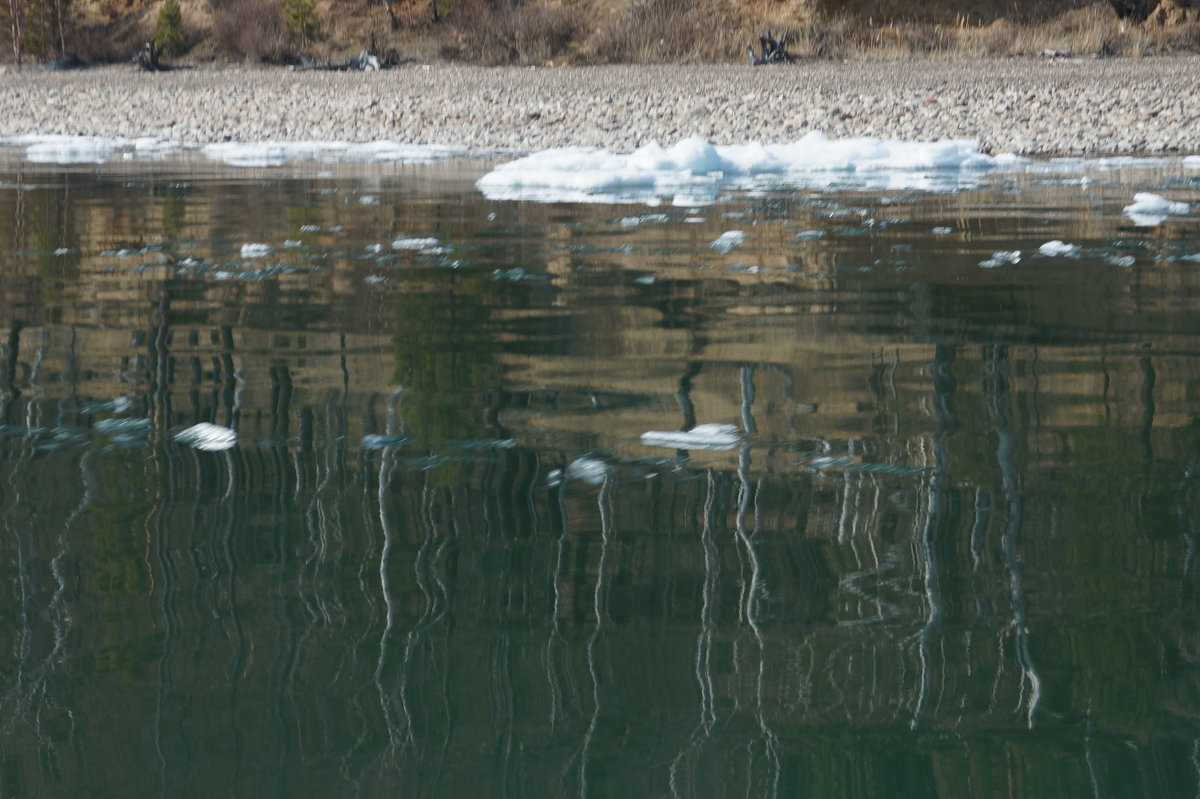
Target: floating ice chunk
[[589, 470], [58, 149], [705, 436], [645, 280], [208, 437], [405, 243], [1149, 209], [368, 199], [941, 231], [1121, 260], [123, 425], [1192, 257], [695, 171], [376, 441], [634, 221], [1060, 249], [810, 234], [120, 404], [255, 250], [727, 240], [1001, 258], [279, 153]]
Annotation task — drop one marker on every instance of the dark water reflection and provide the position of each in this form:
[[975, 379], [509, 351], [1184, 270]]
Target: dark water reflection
[[952, 551]]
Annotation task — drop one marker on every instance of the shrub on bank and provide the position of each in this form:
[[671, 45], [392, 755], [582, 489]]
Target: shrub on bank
[[506, 33], [168, 29], [251, 29]]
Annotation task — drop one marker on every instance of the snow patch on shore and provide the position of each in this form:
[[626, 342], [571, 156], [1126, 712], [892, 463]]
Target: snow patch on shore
[[694, 170]]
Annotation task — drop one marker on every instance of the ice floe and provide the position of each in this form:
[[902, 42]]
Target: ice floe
[[1001, 258], [208, 437], [279, 153], [694, 172], [255, 250], [1060, 249], [56, 149], [414, 243], [1148, 210], [727, 240], [704, 436], [589, 470]]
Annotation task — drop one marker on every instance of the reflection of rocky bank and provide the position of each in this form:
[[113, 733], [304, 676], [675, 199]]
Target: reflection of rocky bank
[[1010, 105]]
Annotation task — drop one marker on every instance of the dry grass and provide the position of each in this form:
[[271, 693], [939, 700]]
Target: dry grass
[[1093, 30], [252, 29], [657, 31], [645, 31], [503, 33]]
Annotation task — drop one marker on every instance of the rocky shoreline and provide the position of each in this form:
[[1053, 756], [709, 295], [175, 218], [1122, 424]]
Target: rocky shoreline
[[1027, 106]]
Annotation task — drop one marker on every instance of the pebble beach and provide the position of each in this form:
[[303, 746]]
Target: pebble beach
[[1029, 106]]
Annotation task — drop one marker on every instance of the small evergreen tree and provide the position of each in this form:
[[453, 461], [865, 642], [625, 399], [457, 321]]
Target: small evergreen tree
[[300, 17], [168, 30]]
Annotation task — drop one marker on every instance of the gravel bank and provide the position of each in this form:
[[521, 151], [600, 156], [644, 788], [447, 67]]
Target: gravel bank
[[1027, 106]]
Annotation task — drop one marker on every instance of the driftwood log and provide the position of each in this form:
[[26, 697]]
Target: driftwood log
[[772, 51], [147, 58], [366, 60]]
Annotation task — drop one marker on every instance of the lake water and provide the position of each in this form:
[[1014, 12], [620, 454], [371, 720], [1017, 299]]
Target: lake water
[[796, 491]]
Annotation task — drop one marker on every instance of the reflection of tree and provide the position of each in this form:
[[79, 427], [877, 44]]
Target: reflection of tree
[[43, 225], [445, 349]]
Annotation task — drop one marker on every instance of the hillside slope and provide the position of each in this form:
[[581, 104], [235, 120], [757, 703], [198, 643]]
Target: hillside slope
[[590, 31]]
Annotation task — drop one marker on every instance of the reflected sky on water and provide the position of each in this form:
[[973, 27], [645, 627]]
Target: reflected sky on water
[[804, 492]]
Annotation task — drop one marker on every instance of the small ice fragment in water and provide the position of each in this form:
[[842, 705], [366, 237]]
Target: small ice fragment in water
[[309, 228], [207, 437], [942, 231], [375, 248], [589, 470], [404, 243], [644, 280], [368, 199], [1121, 260], [1059, 248], [727, 240], [810, 234], [634, 221], [1149, 209], [705, 436], [372, 280], [255, 250], [1001, 258], [292, 243], [376, 441]]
